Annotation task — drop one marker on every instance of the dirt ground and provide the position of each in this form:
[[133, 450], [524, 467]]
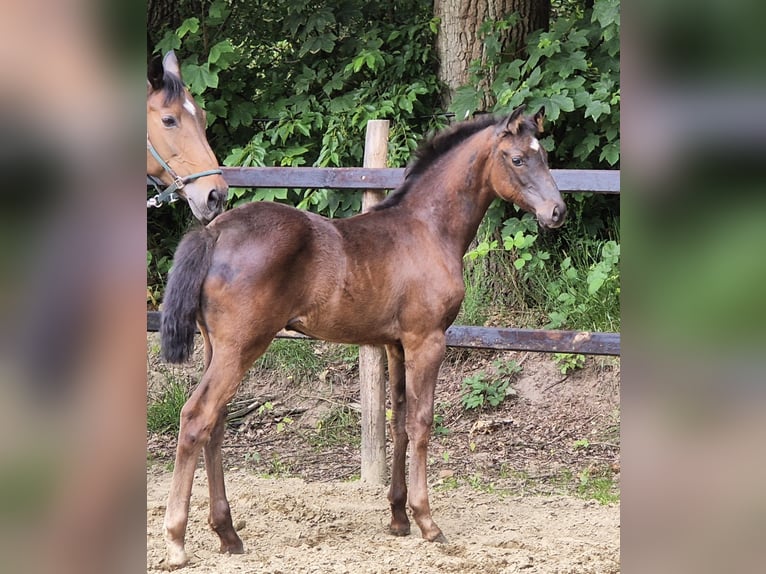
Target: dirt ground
[[531, 486]]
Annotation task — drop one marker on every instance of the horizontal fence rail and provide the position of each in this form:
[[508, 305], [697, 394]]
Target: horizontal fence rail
[[568, 180], [499, 339]]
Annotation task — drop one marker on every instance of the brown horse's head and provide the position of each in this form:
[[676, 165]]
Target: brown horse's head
[[175, 129], [519, 169]]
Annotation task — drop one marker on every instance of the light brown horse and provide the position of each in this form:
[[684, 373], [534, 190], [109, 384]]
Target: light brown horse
[[177, 151], [393, 277]]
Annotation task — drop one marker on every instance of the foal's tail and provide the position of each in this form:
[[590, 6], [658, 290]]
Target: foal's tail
[[182, 294]]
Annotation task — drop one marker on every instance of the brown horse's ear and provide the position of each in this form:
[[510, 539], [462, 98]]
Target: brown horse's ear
[[155, 74], [170, 64], [513, 121], [539, 117]]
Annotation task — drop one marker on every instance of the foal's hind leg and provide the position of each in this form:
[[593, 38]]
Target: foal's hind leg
[[220, 513], [199, 421], [397, 493]]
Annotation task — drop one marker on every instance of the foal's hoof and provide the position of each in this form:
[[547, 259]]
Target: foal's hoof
[[233, 548], [440, 538], [399, 530], [174, 562]]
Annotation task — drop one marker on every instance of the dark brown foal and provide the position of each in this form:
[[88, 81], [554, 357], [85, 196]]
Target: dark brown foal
[[392, 276]]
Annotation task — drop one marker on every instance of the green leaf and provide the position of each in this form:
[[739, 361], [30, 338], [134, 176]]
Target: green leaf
[[596, 108], [534, 78], [218, 9], [611, 152], [222, 54], [586, 145], [564, 102], [200, 78], [241, 114], [188, 25], [595, 279], [606, 12], [466, 101], [218, 108]]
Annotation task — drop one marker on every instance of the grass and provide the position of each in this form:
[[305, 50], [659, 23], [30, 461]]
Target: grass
[[301, 359], [589, 484], [295, 357], [277, 468], [341, 426], [597, 485], [475, 307], [163, 414]]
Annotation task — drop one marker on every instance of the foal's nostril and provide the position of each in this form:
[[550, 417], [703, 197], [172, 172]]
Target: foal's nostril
[[557, 215]]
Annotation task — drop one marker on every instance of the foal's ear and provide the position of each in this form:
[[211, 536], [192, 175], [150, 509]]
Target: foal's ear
[[539, 117], [513, 121]]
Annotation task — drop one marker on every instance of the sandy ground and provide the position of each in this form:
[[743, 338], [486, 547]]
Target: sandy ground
[[502, 482], [291, 526]]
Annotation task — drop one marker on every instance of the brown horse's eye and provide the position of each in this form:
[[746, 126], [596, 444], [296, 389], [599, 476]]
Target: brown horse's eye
[[517, 161], [168, 121]]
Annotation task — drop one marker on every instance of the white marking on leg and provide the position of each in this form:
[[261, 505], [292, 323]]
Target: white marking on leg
[[189, 105], [535, 145]]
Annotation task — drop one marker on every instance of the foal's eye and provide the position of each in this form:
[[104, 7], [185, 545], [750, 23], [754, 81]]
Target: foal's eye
[[168, 121], [517, 161]]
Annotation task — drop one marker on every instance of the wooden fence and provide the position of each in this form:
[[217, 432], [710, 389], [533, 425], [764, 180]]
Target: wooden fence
[[374, 177]]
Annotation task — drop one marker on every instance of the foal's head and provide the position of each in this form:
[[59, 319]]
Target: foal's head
[[519, 169], [175, 127]]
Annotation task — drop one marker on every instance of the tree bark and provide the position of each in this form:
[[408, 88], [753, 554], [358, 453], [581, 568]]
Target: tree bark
[[160, 16], [458, 43]]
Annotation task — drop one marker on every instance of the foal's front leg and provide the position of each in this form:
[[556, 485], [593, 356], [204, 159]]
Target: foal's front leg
[[423, 358]]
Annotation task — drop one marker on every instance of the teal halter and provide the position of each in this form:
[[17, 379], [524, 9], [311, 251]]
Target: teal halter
[[169, 194]]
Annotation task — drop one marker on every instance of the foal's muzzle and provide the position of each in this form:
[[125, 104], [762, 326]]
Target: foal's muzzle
[[552, 214]]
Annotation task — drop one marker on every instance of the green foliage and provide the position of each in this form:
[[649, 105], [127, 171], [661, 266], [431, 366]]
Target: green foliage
[[296, 358], [163, 415], [586, 291], [597, 485], [570, 278], [293, 84], [483, 389], [339, 427], [438, 425], [568, 362], [572, 70]]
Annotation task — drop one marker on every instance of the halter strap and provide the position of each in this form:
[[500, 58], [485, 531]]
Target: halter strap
[[169, 194]]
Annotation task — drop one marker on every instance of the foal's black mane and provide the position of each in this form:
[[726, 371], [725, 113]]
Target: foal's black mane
[[435, 147]]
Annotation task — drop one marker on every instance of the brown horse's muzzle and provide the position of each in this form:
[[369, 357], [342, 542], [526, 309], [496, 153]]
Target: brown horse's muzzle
[[207, 197]]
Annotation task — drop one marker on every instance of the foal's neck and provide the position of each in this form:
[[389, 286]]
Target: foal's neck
[[454, 194]]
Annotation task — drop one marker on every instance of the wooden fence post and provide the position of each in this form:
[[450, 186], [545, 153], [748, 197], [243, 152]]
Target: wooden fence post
[[372, 376]]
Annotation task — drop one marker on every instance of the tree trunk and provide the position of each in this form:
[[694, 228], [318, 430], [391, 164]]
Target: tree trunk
[[458, 43], [160, 16]]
